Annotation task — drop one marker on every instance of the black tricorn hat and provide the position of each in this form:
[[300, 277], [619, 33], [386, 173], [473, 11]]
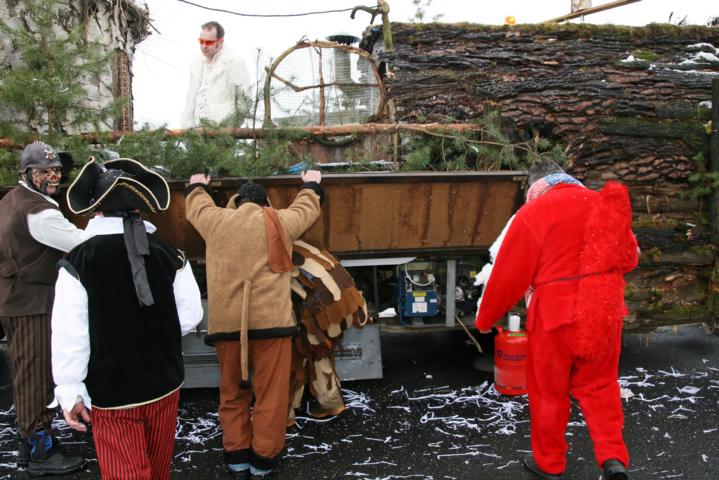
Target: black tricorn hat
[[122, 184]]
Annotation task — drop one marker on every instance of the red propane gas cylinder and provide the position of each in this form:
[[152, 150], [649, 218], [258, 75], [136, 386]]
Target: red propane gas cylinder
[[510, 355]]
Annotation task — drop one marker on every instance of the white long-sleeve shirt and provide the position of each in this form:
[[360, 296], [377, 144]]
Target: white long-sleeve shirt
[[51, 228], [70, 320]]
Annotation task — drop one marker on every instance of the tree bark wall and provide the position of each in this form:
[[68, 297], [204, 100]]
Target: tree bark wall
[[627, 103], [118, 25]]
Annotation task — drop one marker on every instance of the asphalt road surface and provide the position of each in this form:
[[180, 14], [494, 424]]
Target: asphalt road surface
[[436, 415]]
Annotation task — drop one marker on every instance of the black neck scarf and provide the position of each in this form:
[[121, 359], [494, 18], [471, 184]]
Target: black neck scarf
[[137, 248]]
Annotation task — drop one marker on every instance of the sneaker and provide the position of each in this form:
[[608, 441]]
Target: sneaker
[[260, 473], [613, 470], [319, 412], [532, 467], [241, 474]]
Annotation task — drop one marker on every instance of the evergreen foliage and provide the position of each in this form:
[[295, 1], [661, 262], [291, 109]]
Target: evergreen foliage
[[486, 149], [56, 62], [221, 155], [9, 164], [420, 11]]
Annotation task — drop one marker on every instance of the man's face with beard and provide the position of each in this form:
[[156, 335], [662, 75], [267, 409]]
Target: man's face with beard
[[46, 180]]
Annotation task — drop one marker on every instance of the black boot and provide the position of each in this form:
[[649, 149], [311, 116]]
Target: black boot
[[23, 454], [47, 459], [532, 467], [614, 470]]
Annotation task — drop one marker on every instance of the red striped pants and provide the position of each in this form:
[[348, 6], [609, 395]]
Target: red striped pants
[[136, 443], [31, 370]]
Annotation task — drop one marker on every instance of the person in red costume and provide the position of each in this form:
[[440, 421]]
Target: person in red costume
[[570, 247]]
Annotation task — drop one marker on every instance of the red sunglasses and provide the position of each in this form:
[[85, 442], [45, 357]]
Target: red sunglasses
[[207, 43]]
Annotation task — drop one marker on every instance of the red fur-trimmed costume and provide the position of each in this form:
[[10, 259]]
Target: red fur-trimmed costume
[[572, 246]]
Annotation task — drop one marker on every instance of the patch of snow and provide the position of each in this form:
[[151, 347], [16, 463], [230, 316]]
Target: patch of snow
[[700, 46]]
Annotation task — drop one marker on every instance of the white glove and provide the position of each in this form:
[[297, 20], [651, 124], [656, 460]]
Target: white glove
[[483, 275]]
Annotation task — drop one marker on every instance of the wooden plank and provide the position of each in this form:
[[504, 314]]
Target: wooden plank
[[374, 213], [714, 160]]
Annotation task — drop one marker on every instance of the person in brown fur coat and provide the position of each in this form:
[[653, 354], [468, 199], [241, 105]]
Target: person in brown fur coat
[[248, 248], [326, 302]]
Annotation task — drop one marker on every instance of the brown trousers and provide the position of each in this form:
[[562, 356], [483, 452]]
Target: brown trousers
[[261, 428], [31, 370]]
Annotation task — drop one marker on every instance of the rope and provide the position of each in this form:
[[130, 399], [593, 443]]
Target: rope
[[142, 196], [265, 15]]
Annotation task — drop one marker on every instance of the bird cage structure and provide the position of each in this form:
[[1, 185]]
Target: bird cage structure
[[322, 83]]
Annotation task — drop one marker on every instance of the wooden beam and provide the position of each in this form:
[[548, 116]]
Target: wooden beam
[[714, 161], [590, 10], [290, 133], [8, 144]]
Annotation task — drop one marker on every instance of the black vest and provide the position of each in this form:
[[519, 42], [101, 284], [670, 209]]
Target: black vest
[[135, 352]]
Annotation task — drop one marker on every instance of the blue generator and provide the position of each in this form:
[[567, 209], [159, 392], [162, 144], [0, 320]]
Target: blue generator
[[417, 292]]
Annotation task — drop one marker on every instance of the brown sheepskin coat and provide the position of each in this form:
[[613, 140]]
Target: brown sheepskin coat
[[237, 255]]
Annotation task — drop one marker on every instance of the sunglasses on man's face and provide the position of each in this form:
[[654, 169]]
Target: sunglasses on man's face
[[207, 43]]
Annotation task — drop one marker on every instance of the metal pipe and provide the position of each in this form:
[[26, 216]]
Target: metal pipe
[[589, 11], [375, 288], [450, 301]]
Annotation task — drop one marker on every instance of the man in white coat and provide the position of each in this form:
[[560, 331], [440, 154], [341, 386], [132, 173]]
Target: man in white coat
[[219, 82]]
